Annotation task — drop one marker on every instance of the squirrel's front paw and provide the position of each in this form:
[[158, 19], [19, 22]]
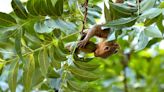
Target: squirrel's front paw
[[82, 43]]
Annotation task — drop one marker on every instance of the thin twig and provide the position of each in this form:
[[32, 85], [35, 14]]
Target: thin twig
[[126, 58], [85, 15], [125, 81]]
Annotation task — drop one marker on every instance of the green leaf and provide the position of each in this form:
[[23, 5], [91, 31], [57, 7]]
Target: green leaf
[[160, 23], [54, 63], [37, 77], [12, 77], [31, 7], [18, 45], [7, 35], [74, 86], [62, 47], [147, 4], [43, 61], [150, 13], [86, 66], [107, 13], [153, 41], [40, 27], [59, 7], [19, 9], [1, 67], [124, 9], [123, 22], [50, 7], [28, 72], [66, 27], [142, 41], [6, 20], [52, 73], [91, 20], [94, 14], [83, 75], [149, 22], [161, 5], [58, 54], [152, 31]]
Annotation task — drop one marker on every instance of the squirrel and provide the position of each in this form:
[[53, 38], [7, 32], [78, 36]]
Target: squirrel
[[102, 49]]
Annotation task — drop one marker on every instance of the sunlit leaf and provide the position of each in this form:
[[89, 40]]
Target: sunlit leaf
[[28, 72], [43, 61], [123, 22], [142, 41], [152, 31], [40, 27], [147, 4], [151, 13], [37, 77], [12, 77], [124, 9], [66, 27]]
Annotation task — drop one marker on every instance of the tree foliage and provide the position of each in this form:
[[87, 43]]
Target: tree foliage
[[33, 54]]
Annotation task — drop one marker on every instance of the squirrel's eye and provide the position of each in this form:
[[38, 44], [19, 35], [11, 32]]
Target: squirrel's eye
[[107, 48]]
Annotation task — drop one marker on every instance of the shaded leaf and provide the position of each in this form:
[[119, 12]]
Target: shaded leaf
[[58, 54], [83, 75], [160, 23], [18, 45], [107, 13], [19, 9], [74, 86], [6, 20], [54, 63], [52, 73], [59, 7], [149, 22], [31, 7], [62, 47], [86, 66]]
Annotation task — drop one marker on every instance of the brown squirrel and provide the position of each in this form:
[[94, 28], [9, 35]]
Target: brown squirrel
[[104, 48]]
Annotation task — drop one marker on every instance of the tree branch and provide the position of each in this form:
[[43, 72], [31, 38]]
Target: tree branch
[[85, 15]]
